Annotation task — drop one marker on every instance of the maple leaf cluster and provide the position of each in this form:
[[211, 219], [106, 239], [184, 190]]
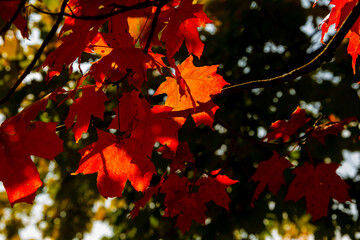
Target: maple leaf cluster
[[316, 181], [125, 56], [183, 202], [129, 39]]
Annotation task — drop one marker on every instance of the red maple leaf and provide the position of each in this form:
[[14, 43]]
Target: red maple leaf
[[320, 131], [353, 47], [185, 204], [180, 158], [270, 173], [149, 192], [285, 129], [337, 16], [114, 160], [127, 157], [181, 203], [317, 184], [200, 83], [157, 126], [131, 107], [214, 188], [19, 139], [80, 34], [119, 57], [77, 34], [91, 103], [182, 26], [146, 125]]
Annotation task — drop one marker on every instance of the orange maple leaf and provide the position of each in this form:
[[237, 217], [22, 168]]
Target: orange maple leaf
[[199, 83]]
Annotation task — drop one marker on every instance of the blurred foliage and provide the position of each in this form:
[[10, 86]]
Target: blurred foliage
[[249, 39]]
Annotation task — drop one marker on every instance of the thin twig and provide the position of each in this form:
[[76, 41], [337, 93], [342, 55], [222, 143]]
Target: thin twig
[[312, 65], [37, 55], [62, 127], [13, 18], [43, 11], [118, 107]]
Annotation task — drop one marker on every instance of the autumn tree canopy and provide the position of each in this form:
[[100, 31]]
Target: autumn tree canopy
[[194, 119]]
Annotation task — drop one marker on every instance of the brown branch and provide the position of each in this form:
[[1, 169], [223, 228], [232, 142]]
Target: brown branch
[[153, 26], [122, 10], [323, 56], [106, 15], [37, 55], [13, 18]]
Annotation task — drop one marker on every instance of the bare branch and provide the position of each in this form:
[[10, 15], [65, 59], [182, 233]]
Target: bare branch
[[122, 9], [312, 65]]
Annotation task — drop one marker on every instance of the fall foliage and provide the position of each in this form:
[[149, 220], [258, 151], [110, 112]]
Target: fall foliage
[[161, 123]]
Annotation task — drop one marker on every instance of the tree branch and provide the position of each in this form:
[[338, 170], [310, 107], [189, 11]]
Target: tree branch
[[13, 18], [37, 55], [323, 56], [153, 26], [122, 9]]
